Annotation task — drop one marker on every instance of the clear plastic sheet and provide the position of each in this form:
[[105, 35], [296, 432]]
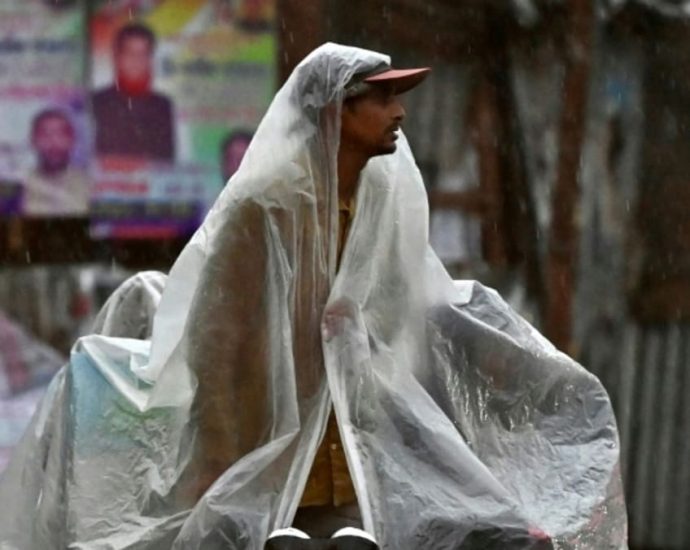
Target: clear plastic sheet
[[26, 362], [129, 311], [461, 424], [26, 367]]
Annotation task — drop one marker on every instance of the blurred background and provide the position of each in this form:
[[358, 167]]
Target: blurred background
[[553, 136]]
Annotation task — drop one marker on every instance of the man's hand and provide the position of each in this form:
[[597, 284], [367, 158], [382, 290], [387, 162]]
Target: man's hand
[[334, 317]]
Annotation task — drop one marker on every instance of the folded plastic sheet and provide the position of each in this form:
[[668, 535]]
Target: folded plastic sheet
[[462, 426], [129, 311]]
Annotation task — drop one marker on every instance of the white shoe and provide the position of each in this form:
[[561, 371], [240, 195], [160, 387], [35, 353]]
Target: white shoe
[[289, 532], [356, 539], [286, 539]]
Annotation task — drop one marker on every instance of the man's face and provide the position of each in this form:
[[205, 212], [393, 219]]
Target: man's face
[[53, 141], [133, 60], [370, 122]]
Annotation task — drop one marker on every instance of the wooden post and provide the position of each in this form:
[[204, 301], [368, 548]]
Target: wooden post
[[520, 211], [486, 135], [301, 28], [564, 235]]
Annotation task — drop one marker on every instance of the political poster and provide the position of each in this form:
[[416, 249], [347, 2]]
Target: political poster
[[177, 88], [44, 129]]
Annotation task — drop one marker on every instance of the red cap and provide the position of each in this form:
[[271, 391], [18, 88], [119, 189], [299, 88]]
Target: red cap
[[402, 79]]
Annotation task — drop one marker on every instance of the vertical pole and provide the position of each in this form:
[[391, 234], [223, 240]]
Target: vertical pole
[[486, 134], [301, 28], [564, 235]]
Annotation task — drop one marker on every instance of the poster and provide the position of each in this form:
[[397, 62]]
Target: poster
[[44, 130], [177, 89]]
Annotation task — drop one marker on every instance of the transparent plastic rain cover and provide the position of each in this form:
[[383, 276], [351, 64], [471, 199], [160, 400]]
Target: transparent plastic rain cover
[[463, 427]]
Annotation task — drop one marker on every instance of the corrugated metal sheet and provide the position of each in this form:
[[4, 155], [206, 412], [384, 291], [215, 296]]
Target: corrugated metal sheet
[[650, 389]]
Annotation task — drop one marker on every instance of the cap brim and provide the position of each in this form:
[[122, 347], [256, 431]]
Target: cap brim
[[402, 79]]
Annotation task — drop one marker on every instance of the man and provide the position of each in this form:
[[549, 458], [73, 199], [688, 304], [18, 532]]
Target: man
[[311, 352], [316, 289], [131, 119], [54, 187], [371, 117]]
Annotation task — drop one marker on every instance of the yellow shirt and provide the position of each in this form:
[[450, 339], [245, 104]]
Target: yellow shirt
[[329, 481]]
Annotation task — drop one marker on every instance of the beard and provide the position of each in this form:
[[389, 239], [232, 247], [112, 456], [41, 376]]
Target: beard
[[385, 149], [53, 164]]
